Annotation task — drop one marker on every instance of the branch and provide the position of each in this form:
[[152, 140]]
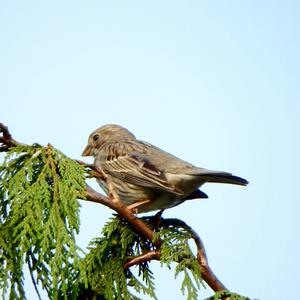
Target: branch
[[137, 224], [6, 140], [207, 274], [93, 170], [147, 256]]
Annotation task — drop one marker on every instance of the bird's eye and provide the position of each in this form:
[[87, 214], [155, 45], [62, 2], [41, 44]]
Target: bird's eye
[[96, 137]]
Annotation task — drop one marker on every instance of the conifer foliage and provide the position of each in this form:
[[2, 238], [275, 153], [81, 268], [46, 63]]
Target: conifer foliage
[[40, 189]]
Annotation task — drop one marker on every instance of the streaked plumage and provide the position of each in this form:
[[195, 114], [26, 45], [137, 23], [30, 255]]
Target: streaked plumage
[[143, 173]]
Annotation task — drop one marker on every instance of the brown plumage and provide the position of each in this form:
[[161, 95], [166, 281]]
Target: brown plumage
[[144, 176]]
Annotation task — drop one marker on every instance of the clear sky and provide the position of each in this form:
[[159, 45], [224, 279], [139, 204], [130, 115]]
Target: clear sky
[[213, 82]]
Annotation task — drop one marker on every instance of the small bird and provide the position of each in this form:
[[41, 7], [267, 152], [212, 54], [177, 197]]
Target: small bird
[[145, 177]]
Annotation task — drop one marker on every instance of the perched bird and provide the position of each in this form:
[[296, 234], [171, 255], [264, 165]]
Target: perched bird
[[145, 177]]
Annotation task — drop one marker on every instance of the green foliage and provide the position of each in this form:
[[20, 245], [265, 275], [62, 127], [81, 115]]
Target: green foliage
[[119, 243], [176, 249], [39, 217], [104, 263]]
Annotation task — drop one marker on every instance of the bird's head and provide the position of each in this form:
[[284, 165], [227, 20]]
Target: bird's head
[[106, 133]]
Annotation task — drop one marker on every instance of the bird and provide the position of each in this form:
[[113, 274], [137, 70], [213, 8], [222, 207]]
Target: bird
[[145, 177]]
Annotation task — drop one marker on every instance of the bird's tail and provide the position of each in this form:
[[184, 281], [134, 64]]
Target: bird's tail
[[222, 177]]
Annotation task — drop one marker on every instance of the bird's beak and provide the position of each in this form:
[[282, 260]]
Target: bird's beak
[[87, 151]]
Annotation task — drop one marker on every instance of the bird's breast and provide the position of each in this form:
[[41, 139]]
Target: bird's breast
[[128, 193]]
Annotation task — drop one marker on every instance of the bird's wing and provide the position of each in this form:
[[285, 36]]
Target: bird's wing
[[129, 163], [174, 165]]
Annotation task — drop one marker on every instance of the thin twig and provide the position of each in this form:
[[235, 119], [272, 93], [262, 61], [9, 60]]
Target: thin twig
[[5, 131], [96, 172], [147, 256], [6, 139]]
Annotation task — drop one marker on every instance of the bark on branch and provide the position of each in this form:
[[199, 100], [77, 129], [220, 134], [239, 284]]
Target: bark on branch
[[6, 140]]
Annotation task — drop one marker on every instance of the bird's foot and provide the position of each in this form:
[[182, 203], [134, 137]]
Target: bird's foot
[[134, 207]]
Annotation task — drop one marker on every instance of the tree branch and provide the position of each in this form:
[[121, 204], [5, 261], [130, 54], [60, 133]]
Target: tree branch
[[147, 256], [207, 274], [137, 224], [6, 140]]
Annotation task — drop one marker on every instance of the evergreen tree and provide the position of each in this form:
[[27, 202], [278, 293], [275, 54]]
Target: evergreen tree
[[40, 189]]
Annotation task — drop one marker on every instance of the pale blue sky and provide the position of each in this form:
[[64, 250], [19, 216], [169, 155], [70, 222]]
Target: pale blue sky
[[213, 82]]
